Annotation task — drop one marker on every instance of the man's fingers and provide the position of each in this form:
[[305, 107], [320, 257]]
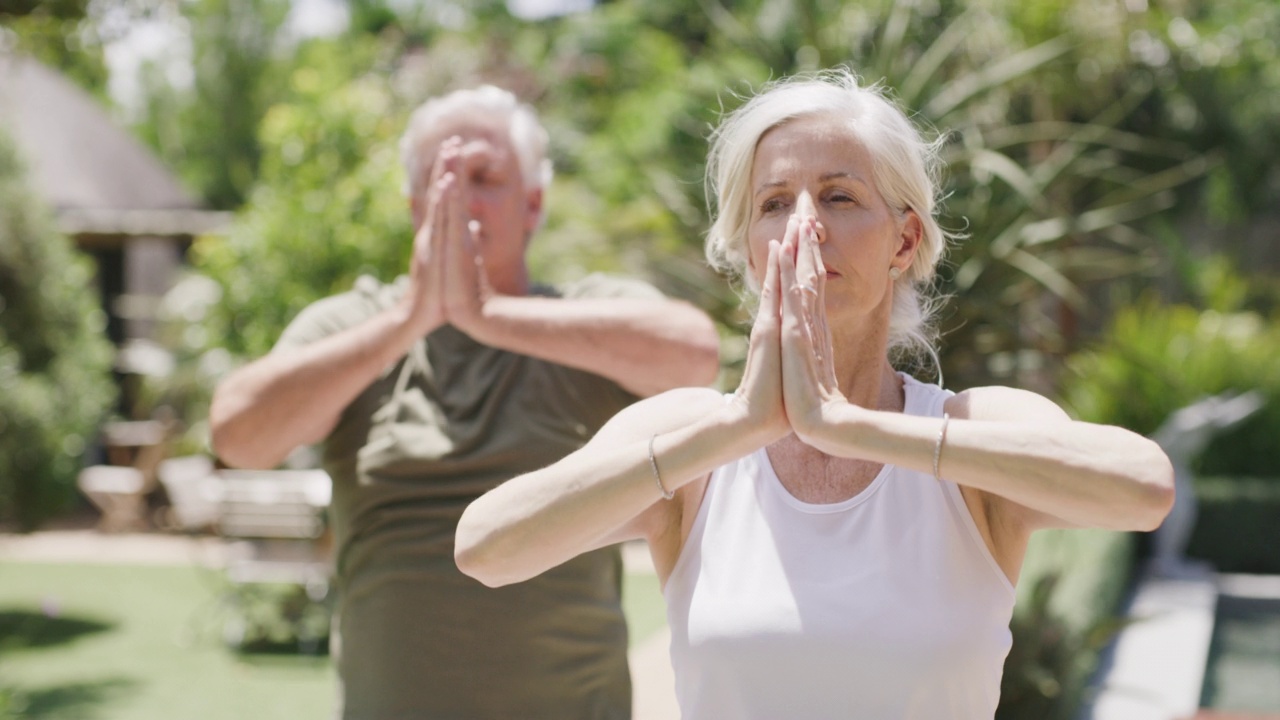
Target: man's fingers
[[448, 150]]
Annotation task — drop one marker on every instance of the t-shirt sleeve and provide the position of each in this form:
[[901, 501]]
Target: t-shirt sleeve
[[334, 314], [610, 396], [599, 285]]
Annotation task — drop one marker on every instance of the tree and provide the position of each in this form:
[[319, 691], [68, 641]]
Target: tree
[[208, 131], [59, 34], [327, 206], [55, 359]]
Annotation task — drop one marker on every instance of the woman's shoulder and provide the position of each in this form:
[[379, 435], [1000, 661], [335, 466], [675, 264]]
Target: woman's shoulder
[[1000, 402]]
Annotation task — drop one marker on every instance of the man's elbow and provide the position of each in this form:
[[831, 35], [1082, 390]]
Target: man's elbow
[[701, 355], [236, 453], [231, 443], [704, 366]]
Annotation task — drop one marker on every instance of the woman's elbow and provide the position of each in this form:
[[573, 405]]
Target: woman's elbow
[[477, 558], [1158, 493]]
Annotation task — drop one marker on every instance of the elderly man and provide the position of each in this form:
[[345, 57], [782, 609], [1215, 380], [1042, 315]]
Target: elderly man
[[428, 392]]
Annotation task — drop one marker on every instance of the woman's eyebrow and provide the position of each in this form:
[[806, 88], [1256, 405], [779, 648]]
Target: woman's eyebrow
[[825, 177], [768, 185], [840, 175]]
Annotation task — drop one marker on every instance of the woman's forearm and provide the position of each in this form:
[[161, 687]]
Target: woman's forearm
[[539, 520], [1073, 472]]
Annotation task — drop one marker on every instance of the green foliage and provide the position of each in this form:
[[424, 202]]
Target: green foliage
[[327, 208], [1156, 358], [1049, 188], [1049, 661], [208, 132], [1070, 589], [54, 356], [1219, 88], [56, 33], [1236, 528], [277, 618]]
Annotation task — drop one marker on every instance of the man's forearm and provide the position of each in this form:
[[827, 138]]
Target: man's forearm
[[264, 410], [646, 346]]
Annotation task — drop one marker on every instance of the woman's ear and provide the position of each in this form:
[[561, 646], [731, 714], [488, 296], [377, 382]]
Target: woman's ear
[[910, 236]]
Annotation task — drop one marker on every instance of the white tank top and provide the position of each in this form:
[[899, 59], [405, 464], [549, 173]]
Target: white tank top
[[885, 606]]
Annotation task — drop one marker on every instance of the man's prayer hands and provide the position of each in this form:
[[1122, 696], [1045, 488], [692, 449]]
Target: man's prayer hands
[[447, 281]]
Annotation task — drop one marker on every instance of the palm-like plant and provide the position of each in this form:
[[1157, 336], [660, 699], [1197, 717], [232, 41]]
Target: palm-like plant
[[1049, 194]]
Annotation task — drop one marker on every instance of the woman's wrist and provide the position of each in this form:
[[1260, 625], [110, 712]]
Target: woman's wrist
[[755, 428], [837, 427]]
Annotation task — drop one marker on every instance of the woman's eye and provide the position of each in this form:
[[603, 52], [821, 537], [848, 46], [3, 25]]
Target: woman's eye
[[842, 198], [771, 205]]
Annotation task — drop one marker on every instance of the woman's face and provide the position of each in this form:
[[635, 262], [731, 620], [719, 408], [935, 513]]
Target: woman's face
[[815, 165]]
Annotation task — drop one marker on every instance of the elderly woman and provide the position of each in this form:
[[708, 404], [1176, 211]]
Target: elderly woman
[[834, 539]]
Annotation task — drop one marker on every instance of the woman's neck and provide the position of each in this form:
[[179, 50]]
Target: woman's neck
[[863, 371]]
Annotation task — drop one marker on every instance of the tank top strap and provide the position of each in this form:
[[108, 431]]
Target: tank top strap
[[923, 399]]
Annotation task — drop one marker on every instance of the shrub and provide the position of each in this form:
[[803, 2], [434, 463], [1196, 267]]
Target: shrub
[[54, 356], [1156, 358], [1071, 586], [1236, 527]]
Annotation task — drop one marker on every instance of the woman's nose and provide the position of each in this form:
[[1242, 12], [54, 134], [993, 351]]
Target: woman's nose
[[806, 208]]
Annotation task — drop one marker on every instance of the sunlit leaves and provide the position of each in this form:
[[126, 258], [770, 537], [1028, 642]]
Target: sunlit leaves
[[54, 356]]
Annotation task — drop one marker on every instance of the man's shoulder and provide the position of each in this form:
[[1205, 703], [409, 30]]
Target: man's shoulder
[[601, 285], [335, 313]]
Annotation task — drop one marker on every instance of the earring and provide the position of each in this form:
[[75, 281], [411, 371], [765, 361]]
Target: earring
[[894, 272]]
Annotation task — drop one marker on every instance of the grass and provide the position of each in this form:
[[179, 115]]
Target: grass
[[101, 642], [98, 642]]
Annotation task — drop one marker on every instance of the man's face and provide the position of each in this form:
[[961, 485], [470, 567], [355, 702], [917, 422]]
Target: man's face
[[497, 199]]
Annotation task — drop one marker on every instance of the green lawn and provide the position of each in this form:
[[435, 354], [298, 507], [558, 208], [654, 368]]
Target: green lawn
[[94, 642]]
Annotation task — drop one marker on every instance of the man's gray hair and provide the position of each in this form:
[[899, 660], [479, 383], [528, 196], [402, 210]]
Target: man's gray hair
[[528, 137]]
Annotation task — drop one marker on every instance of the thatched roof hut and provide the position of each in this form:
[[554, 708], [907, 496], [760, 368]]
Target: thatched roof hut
[[108, 191]]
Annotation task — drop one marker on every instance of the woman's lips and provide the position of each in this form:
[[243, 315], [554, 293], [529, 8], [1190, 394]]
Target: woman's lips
[[832, 274]]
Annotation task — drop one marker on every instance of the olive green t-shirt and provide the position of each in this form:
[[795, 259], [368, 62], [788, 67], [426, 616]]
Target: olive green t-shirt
[[415, 638]]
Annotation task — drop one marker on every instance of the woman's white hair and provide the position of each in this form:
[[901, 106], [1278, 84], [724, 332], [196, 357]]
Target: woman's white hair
[[528, 137], [905, 169]]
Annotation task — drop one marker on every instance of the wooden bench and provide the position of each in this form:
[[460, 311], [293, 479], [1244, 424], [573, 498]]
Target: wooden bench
[[275, 520]]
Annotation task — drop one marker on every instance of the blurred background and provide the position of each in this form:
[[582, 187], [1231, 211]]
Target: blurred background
[[178, 178]]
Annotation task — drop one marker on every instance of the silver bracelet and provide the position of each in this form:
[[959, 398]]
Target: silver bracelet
[[937, 448], [657, 476]]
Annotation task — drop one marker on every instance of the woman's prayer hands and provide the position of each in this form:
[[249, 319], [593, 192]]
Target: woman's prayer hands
[[759, 395], [790, 381]]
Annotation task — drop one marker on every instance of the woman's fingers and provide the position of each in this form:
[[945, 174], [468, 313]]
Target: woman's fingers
[[808, 262], [761, 389], [818, 267], [764, 331], [808, 369], [792, 289]]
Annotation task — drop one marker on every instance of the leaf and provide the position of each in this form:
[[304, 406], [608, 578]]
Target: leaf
[[1017, 65], [1047, 276]]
